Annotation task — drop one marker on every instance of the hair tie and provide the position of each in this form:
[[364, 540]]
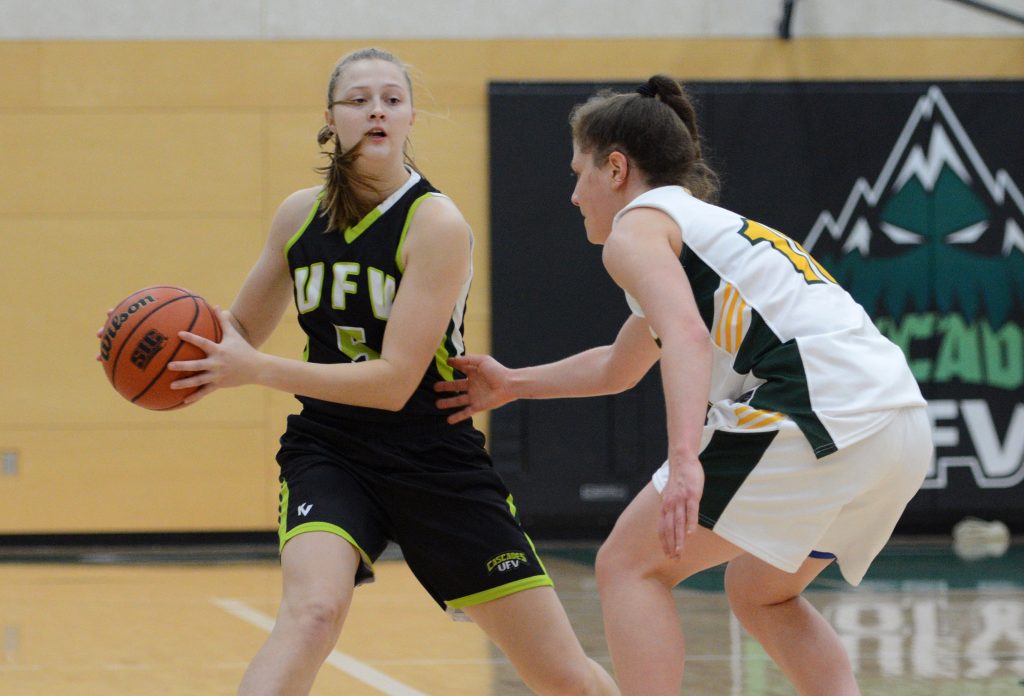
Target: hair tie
[[645, 90]]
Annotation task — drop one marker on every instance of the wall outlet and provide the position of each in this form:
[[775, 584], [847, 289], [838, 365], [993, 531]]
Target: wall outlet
[[9, 463]]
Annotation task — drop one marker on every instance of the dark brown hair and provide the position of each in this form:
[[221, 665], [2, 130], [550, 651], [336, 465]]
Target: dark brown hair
[[342, 205], [655, 127]]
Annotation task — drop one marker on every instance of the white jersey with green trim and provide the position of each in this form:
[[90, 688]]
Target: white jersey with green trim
[[786, 338]]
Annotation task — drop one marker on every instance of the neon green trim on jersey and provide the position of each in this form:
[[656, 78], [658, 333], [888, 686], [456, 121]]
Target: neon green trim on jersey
[[537, 555], [324, 527], [352, 233], [500, 591], [441, 362], [282, 519], [405, 229], [515, 516], [309, 218]]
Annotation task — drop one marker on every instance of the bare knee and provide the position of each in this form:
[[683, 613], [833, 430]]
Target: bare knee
[[609, 566], [748, 593], [618, 565], [743, 596], [317, 619], [744, 600]]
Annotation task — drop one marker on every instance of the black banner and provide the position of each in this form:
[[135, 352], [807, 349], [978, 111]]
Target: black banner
[[909, 193]]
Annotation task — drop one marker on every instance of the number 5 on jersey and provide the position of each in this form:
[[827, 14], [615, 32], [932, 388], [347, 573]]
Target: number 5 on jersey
[[352, 342]]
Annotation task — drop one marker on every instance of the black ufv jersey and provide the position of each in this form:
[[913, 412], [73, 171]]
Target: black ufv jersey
[[345, 283]]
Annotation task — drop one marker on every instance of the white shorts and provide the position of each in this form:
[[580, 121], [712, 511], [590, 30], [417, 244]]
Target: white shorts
[[765, 491]]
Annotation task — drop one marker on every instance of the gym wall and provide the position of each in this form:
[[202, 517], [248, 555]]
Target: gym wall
[[127, 163]]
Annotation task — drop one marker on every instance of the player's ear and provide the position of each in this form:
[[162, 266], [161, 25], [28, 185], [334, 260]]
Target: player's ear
[[619, 164]]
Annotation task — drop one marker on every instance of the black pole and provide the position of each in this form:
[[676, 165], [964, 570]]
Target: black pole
[[998, 11], [787, 20]]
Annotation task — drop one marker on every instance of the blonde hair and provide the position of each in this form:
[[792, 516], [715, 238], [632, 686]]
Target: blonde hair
[[342, 205]]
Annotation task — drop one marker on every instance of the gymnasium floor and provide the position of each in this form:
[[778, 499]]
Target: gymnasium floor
[[179, 622]]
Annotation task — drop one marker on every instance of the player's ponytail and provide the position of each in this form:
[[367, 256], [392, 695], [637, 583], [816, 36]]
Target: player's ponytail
[[342, 207], [701, 179], [663, 142]]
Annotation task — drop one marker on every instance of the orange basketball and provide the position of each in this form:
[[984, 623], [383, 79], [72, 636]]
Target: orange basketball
[[141, 337]]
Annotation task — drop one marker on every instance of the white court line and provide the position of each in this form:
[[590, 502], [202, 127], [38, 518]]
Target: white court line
[[346, 663]]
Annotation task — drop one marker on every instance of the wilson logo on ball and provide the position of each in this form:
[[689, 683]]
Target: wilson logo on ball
[[118, 320]]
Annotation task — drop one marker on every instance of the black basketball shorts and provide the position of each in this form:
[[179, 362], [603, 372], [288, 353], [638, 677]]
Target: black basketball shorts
[[433, 491]]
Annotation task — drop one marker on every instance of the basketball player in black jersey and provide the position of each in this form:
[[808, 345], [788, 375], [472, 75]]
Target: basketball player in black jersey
[[378, 264]]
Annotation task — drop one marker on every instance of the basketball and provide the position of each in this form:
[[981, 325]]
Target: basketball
[[140, 338]]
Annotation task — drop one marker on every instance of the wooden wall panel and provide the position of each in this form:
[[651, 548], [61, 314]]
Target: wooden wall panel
[[291, 154], [121, 162], [22, 77], [121, 479]]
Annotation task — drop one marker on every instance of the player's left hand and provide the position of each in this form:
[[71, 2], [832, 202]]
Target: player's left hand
[[680, 503], [230, 363]]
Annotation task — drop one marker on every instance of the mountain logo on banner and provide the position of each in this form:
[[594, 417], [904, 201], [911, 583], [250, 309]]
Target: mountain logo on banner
[[934, 250]]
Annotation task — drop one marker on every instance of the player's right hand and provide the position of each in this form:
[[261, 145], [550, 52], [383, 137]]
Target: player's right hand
[[486, 386]]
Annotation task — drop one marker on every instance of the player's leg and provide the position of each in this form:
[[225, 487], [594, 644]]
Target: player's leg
[[319, 570], [635, 580], [533, 630], [889, 467], [459, 530], [767, 602]]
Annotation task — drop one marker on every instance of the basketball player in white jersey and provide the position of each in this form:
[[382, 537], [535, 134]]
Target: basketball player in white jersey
[[796, 431]]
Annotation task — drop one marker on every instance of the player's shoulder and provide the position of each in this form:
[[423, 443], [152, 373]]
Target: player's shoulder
[[437, 212], [437, 205], [300, 202], [294, 211]]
